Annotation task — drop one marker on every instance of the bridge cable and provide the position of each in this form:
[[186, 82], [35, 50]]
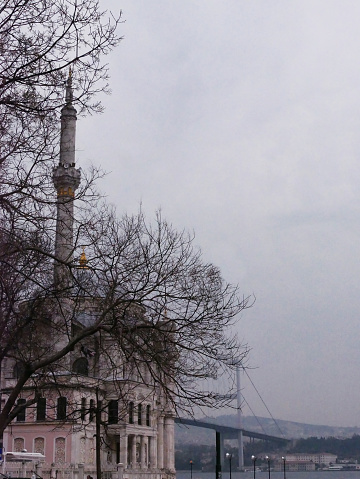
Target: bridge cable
[[255, 416], [275, 422]]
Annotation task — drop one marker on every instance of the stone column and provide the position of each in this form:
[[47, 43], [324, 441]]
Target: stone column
[[153, 452], [123, 449], [143, 452], [160, 443], [138, 450], [133, 452], [81, 471], [120, 470], [169, 443]]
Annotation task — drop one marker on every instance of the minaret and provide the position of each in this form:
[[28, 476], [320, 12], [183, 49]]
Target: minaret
[[66, 179]]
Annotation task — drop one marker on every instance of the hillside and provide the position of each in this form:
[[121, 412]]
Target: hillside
[[293, 430]]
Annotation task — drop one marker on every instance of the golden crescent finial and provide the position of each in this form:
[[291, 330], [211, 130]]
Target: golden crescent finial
[[83, 260]]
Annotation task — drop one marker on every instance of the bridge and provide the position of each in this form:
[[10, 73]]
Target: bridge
[[230, 432], [233, 432]]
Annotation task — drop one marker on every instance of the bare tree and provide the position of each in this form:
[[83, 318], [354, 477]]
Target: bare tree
[[146, 290], [40, 40], [141, 298]]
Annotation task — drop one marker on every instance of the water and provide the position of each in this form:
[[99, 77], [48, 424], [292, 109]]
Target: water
[[274, 475]]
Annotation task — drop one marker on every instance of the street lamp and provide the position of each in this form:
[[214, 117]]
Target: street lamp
[[268, 463], [253, 458], [191, 464], [229, 456], [284, 466]]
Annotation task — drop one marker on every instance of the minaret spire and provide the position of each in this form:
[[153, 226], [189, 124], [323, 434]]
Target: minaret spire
[[66, 179], [69, 95]]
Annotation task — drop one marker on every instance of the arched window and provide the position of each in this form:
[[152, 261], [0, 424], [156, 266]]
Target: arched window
[[61, 408], [113, 412], [39, 445], [131, 412], [21, 415], [148, 415], [60, 450], [81, 366], [19, 444], [139, 414], [41, 409]]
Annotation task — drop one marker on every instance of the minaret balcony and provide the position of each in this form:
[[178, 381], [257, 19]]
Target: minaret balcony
[[66, 179]]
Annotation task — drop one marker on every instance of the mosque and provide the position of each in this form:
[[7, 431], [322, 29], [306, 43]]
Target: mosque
[[101, 409]]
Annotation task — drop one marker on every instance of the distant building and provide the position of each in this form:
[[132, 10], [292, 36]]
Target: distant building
[[295, 466], [304, 462], [321, 458]]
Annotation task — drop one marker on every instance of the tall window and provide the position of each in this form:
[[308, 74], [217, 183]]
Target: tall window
[[83, 409], [61, 408], [148, 415], [92, 410], [39, 445], [131, 412], [19, 444], [41, 409], [60, 450], [21, 414], [139, 414], [113, 412]]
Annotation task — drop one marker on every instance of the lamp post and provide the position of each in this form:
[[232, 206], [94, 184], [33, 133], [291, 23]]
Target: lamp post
[[229, 456], [268, 463], [284, 466], [191, 464], [253, 458]]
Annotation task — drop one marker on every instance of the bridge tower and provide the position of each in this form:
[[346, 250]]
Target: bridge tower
[[239, 417]]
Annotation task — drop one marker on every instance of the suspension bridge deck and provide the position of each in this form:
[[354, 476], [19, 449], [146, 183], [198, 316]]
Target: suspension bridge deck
[[230, 432]]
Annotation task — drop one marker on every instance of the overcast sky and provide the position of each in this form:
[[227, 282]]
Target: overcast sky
[[241, 120]]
